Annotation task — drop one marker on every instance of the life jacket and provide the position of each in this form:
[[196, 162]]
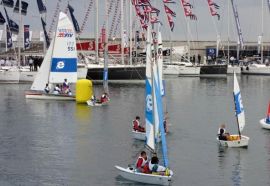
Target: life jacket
[[136, 124], [144, 162]]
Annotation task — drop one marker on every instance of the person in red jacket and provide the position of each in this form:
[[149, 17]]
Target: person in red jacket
[[142, 163], [136, 125]]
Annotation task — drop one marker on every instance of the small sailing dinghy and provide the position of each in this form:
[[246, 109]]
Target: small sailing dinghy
[[265, 122], [104, 100], [148, 85], [60, 62], [237, 140], [154, 118]]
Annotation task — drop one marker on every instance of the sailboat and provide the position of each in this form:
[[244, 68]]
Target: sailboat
[[154, 119], [60, 62], [142, 135], [265, 122], [237, 140], [105, 84]]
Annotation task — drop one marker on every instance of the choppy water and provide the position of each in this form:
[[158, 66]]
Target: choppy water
[[61, 143]]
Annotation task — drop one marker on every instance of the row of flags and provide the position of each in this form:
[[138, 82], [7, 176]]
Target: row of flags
[[10, 37]]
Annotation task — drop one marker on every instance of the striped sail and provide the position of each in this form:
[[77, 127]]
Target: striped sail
[[105, 71], [268, 114], [64, 57], [239, 108], [42, 76], [150, 137]]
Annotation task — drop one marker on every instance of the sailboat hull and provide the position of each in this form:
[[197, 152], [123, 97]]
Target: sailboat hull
[[130, 174], [189, 71], [243, 142], [139, 135], [264, 124], [9, 76], [41, 96]]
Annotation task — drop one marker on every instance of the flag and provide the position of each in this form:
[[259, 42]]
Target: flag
[[169, 11], [41, 7], [8, 3], [45, 33], [213, 8], [24, 6], [74, 21], [188, 9], [8, 38], [26, 37], [168, 1], [13, 27], [2, 19]]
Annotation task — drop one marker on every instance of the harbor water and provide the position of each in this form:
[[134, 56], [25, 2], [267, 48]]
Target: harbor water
[[63, 143]]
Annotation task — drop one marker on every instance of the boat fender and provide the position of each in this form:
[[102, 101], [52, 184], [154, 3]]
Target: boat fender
[[247, 68], [242, 69]]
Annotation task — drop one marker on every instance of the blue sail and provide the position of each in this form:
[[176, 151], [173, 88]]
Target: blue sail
[[161, 118], [105, 71]]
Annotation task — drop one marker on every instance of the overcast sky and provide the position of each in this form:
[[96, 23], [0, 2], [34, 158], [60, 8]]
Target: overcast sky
[[205, 28]]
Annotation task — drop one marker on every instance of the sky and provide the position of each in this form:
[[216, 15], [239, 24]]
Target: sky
[[205, 28]]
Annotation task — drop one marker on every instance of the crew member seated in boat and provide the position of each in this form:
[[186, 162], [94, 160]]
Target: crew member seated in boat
[[156, 168], [222, 135], [142, 163], [104, 98], [65, 85], [67, 91], [93, 99], [268, 119], [137, 126], [47, 88], [57, 89]]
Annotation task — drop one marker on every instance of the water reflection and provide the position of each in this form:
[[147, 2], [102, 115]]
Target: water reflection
[[83, 113], [230, 159]]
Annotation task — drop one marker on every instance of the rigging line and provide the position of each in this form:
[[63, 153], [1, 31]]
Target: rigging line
[[88, 10]]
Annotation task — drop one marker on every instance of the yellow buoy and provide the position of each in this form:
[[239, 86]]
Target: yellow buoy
[[84, 90]]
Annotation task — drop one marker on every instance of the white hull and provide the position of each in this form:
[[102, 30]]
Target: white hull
[[243, 142], [264, 124], [129, 174], [90, 103], [231, 69], [9, 76], [189, 71], [139, 135], [82, 72], [27, 76], [256, 69], [41, 96], [170, 69]]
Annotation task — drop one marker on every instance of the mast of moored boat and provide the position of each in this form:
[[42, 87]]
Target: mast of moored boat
[[262, 34], [97, 32], [228, 32]]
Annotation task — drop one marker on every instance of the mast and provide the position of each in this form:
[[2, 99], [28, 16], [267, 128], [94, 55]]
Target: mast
[[228, 32], [19, 34], [105, 78], [97, 31], [130, 33], [262, 36], [122, 30]]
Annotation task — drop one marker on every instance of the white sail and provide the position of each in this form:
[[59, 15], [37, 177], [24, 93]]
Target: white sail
[[42, 76], [150, 137], [160, 62], [239, 108], [64, 57]]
